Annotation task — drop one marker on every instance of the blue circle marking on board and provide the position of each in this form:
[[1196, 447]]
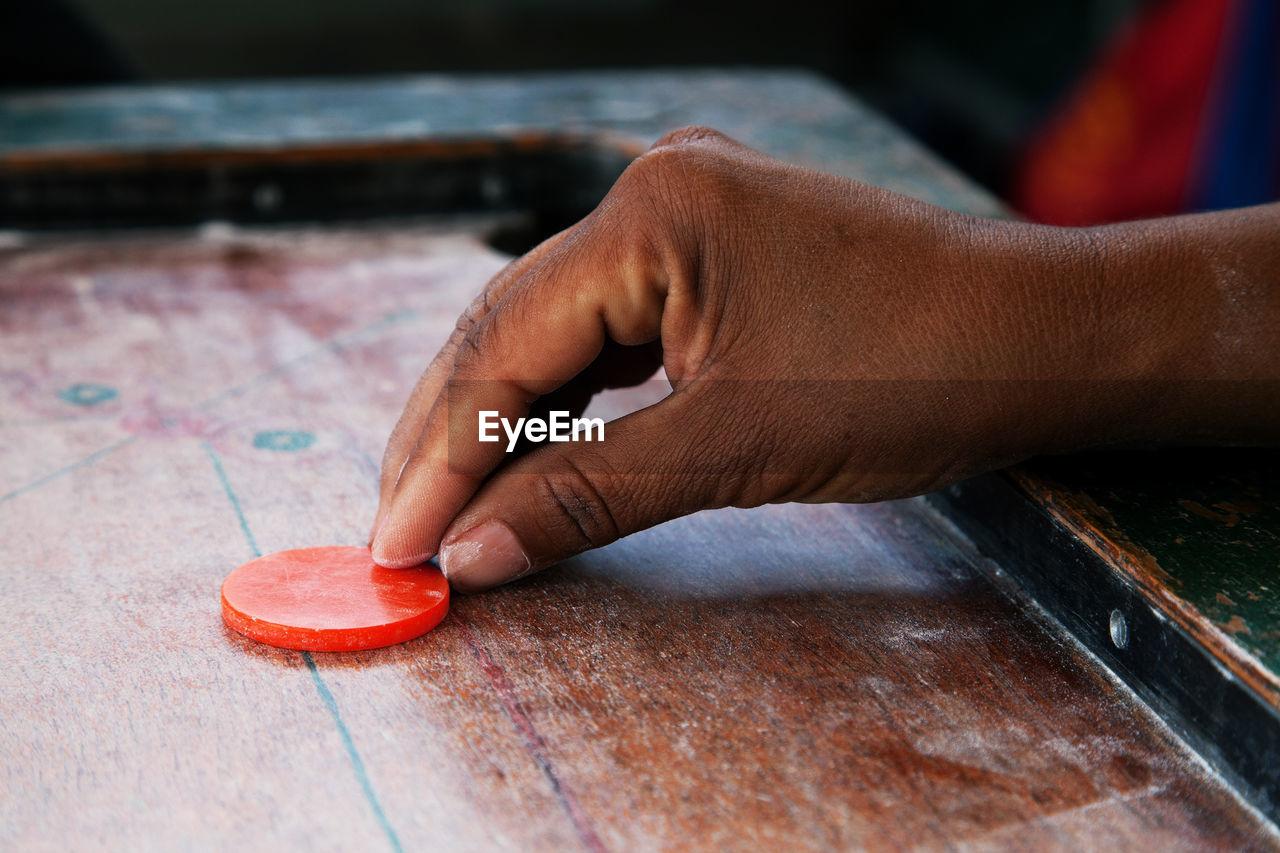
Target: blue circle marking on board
[[285, 440], [88, 394]]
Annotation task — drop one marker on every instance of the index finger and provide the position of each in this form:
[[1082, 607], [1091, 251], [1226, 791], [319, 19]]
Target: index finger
[[409, 426], [549, 325]]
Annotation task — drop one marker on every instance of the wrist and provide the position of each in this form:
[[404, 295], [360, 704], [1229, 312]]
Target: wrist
[[1174, 325], [1094, 329]]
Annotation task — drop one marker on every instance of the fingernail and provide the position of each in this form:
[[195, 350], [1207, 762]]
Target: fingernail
[[486, 555]]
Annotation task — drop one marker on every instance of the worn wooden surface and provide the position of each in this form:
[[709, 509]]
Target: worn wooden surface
[[1115, 601], [47, 139], [1181, 547], [805, 677], [1197, 530]]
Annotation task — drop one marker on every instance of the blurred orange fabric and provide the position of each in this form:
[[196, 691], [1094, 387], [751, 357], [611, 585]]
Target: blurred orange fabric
[[1179, 114]]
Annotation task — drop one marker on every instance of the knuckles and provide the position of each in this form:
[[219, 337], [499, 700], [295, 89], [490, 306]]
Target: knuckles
[[691, 135], [578, 511], [683, 194], [685, 171]]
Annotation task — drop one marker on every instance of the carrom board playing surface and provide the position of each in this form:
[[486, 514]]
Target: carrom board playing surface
[[812, 677]]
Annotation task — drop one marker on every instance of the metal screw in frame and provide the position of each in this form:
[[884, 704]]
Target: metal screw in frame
[[1119, 629]]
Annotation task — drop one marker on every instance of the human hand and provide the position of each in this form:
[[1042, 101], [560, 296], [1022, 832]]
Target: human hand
[[824, 339]]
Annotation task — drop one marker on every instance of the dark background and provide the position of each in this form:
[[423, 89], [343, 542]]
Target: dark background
[[970, 79]]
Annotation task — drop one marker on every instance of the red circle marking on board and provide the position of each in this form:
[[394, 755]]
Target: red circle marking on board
[[333, 599]]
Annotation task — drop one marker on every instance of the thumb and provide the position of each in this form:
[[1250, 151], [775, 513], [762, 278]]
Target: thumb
[[563, 499]]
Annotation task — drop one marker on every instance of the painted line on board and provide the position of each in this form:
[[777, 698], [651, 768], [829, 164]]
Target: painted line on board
[[331, 346], [529, 734], [67, 469], [334, 345], [357, 763], [231, 496], [326, 695]]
